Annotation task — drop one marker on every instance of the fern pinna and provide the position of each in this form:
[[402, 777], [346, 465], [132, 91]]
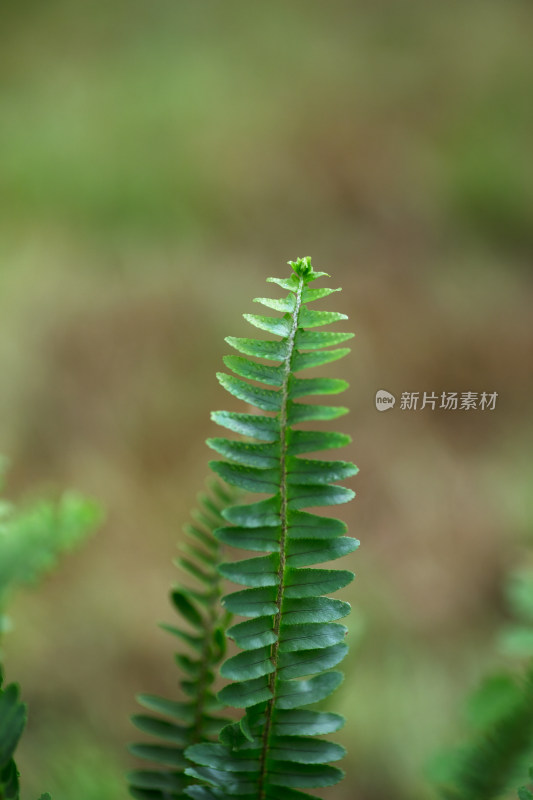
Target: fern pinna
[[293, 631], [183, 723]]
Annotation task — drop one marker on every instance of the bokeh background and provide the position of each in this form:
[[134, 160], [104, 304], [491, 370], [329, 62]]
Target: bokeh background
[[157, 162]]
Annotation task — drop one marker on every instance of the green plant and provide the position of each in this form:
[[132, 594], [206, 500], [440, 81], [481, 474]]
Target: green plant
[[498, 749], [180, 724], [500, 744], [13, 716], [524, 793], [31, 540], [293, 630], [516, 638]]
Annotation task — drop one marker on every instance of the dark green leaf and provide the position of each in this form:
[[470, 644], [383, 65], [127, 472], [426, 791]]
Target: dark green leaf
[[310, 635], [252, 602], [253, 633], [13, 715], [302, 361], [253, 455], [246, 693], [273, 351], [312, 582], [259, 539], [255, 425], [259, 571], [308, 470], [313, 609], [267, 399], [307, 662], [304, 552], [255, 515], [309, 495], [255, 371], [219, 756], [303, 525], [254, 480], [248, 664]]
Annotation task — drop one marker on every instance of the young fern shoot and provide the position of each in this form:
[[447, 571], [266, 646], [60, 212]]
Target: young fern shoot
[[293, 630], [180, 724]]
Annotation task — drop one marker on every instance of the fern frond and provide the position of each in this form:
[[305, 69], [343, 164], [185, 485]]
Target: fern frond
[[179, 724], [13, 716], [493, 760], [293, 630]]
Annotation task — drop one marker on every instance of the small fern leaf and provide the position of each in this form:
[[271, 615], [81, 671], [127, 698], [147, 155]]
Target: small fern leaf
[[172, 724], [291, 639]]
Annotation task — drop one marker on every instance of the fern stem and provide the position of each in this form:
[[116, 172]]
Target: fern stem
[[284, 527]]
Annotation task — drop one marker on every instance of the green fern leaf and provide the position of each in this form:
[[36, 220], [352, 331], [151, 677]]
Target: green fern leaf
[[179, 724], [13, 715], [291, 639]]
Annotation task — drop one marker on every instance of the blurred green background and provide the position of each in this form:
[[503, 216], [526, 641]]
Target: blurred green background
[[157, 162]]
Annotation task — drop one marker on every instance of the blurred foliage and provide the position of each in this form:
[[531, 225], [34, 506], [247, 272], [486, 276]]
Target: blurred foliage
[[498, 753], [33, 538], [524, 793], [150, 156], [498, 715], [12, 722], [516, 639]]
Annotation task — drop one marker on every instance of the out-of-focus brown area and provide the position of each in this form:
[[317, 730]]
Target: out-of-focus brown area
[[157, 162]]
